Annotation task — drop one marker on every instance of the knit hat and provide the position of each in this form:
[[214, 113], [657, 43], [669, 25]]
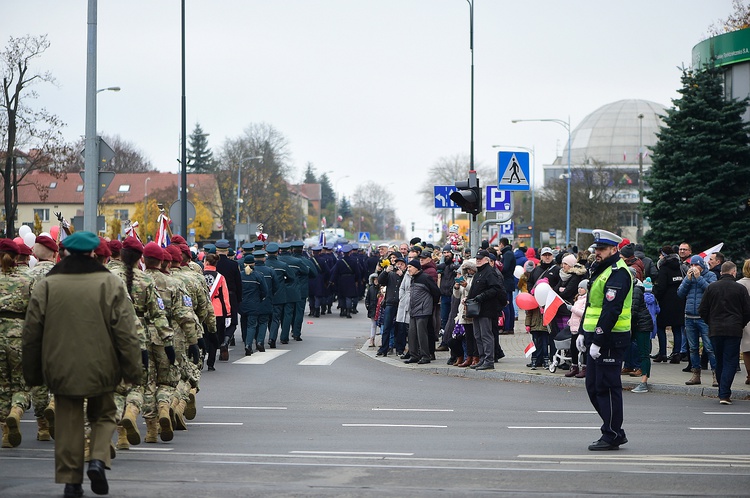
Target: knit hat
[[528, 266], [627, 251], [416, 264], [647, 285], [697, 260], [584, 284], [570, 260], [623, 243]]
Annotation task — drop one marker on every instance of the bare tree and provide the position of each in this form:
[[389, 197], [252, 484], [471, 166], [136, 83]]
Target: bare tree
[[21, 127], [374, 203], [128, 157], [446, 170]]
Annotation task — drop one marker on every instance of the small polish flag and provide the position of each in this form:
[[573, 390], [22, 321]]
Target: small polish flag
[[554, 301], [705, 254], [529, 349]]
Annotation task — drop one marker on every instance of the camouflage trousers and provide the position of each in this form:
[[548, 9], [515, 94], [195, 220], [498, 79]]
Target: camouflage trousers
[[13, 391]]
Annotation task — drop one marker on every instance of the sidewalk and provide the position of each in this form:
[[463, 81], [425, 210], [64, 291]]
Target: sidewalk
[[665, 377]]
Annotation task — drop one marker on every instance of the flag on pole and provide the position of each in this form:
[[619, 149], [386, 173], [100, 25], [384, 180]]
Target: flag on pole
[[554, 301], [705, 254], [132, 232], [322, 238], [162, 230], [529, 349]]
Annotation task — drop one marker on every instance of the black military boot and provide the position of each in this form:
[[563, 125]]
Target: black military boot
[[316, 314]]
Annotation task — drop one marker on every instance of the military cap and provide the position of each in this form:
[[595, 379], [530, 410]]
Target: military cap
[[259, 244], [297, 243], [129, 243], [209, 249], [153, 250], [81, 242], [8, 245], [260, 253], [284, 246], [317, 248], [178, 239], [272, 248], [103, 248], [329, 246], [346, 248], [115, 246], [24, 250], [383, 244], [248, 259], [175, 252], [47, 242], [355, 246], [248, 246], [222, 244], [604, 238]]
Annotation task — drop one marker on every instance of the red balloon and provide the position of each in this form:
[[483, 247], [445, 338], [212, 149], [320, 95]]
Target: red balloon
[[526, 301], [19, 240], [54, 231]]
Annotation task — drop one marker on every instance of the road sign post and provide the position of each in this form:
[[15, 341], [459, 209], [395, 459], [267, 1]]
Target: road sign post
[[513, 170]]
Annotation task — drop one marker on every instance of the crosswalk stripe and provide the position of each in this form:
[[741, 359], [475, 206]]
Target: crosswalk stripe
[[261, 358], [322, 358]]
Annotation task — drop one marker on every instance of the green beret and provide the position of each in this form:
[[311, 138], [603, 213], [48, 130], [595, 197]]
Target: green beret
[[81, 242]]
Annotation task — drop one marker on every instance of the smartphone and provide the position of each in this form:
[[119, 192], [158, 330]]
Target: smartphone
[[459, 279]]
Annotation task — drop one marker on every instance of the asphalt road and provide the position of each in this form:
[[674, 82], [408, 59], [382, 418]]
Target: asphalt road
[[344, 424]]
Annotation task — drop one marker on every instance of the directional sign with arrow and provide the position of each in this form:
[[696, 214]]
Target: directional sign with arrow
[[442, 195]]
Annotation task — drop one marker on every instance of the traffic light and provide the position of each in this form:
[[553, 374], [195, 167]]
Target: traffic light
[[469, 195], [412, 226]]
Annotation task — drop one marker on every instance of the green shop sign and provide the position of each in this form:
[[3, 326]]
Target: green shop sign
[[728, 48]]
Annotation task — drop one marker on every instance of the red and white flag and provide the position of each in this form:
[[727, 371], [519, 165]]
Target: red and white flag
[[529, 349], [162, 230], [132, 232], [554, 301], [705, 254]]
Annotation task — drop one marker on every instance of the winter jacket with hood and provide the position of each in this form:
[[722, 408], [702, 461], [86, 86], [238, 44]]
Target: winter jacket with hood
[[640, 317], [425, 294], [691, 290], [665, 290]]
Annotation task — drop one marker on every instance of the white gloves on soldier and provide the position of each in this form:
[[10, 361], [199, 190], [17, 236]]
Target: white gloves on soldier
[[595, 351], [227, 322], [579, 343]]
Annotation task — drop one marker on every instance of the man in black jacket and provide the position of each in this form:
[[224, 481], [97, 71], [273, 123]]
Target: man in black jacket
[[231, 273], [391, 279], [488, 290], [423, 298], [725, 307], [447, 271], [508, 260]]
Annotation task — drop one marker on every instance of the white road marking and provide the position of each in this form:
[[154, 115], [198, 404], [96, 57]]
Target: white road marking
[[245, 407], [367, 453], [550, 427], [566, 411], [420, 426], [215, 423], [726, 413], [411, 410], [719, 428], [261, 358], [322, 358], [148, 448]]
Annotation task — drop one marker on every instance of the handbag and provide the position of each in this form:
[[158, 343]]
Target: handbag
[[472, 308]]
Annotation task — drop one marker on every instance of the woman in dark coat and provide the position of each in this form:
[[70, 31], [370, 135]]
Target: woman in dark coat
[[672, 312]]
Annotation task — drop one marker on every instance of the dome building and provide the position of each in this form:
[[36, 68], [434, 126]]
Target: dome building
[[611, 137]]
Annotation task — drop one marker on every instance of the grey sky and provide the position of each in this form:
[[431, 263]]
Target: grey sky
[[374, 89]]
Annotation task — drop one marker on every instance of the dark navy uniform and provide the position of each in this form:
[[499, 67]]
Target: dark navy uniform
[[344, 276], [274, 283], [281, 298], [606, 325], [318, 288], [304, 288], [297, 304]]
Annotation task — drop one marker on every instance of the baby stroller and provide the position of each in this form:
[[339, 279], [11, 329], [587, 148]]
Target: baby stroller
[[562, 355]]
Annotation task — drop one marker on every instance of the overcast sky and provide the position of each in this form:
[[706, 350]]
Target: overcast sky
[[373, 89]]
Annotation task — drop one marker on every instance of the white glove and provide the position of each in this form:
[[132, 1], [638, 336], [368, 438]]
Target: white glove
[[227, 322], [595, 351], [579, 343]]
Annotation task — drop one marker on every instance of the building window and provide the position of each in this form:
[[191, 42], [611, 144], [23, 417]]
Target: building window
[[124, 188], [121, 214], [79, 188], [53, 185], [42, 213]]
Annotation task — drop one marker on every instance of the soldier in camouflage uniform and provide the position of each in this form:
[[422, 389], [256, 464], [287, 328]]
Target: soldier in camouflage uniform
[[197, 290], [15, 291], [115, 264], [45, 251], [156, 339]]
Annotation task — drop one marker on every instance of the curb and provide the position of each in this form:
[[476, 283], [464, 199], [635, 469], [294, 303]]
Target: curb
[[539, 378]]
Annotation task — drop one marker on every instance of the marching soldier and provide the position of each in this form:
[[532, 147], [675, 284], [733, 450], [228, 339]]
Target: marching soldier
[[265, 312], [254, 292], [282, 297], [304, 288], [294, 293]]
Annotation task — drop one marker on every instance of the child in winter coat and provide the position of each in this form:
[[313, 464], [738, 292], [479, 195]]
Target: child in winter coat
[[371, 304], [576, 315], [645, 308]]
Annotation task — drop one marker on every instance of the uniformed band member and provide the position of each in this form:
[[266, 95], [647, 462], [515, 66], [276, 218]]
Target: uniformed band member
[[81, 291], [256, 329], [606, 326], [284, 296]]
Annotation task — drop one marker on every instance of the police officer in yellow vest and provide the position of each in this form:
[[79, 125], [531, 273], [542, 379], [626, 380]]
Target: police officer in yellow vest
[[606, 326]]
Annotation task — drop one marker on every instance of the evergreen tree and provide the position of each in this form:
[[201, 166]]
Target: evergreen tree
[[700, 178], [327, 197], [200, 157], [310, 174], [345, 207]]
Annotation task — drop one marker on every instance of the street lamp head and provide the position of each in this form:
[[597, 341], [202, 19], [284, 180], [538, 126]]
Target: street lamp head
[[110, 89]]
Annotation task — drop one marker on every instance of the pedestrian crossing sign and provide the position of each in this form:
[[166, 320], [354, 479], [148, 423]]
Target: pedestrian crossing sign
[[364, 238], [513, 170]]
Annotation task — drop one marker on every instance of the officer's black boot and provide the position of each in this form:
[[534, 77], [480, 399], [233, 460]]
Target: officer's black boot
[[316, 314]]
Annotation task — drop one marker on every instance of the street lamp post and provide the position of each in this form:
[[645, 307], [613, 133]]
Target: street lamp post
[[566, 125], [239, 199], [336, 202], [639, 231], [145, 204], [532, 151]]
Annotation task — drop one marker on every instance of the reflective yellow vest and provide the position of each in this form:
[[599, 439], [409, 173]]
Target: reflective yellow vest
[[596, 299]]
